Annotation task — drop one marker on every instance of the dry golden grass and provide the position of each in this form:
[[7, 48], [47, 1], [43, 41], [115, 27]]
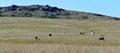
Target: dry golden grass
[[18, 33], [55, 48]]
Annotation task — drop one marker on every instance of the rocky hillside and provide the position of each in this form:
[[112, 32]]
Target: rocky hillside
[[46, 11]]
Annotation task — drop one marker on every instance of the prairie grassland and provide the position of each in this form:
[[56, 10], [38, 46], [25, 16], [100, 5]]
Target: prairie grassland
[[56, 48], [18, 33]]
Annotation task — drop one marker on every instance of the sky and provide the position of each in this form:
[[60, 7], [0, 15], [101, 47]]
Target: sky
[[105, 7]]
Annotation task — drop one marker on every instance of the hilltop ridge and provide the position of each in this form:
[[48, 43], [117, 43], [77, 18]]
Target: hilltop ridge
[[46, 11]]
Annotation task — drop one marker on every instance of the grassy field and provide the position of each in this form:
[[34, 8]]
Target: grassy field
[[55, 48], [19, 33]]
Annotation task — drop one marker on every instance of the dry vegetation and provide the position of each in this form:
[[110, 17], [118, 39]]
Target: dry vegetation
[[48, 48], [19, 33]]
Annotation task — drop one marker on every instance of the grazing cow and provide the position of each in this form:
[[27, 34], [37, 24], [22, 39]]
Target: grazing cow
[[50, 34], [92, 33], [101, 38], [36, 38], [82, 32]]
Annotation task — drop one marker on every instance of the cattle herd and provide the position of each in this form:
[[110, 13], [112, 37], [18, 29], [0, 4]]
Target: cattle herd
[[81, 33]]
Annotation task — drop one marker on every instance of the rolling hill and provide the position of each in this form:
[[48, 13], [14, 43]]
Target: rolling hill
[[46, 11]]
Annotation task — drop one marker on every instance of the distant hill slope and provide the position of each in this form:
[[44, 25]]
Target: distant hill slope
[[46, 11]]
